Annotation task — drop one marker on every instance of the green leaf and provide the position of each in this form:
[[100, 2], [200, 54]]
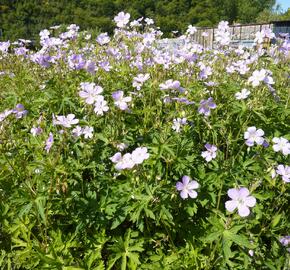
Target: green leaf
[[276, 220], [40, 204]]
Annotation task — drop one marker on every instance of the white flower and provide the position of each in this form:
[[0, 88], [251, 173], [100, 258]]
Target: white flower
[[259, 37], [191, 30], [122, 19], [284, 171], [103, 38], [125, 162], [252, 135], [257, 77], [139, 80], [77, 131], [100, 105], [178, 123], [139, 155], [281, 145], [88, 132], [243, 94], [149, 21], [66, 121]]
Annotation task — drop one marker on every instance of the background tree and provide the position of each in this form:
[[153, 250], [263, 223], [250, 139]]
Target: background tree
[[25, 18]]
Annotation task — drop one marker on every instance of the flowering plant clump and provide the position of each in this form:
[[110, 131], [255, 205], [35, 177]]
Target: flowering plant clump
[[125, 151]]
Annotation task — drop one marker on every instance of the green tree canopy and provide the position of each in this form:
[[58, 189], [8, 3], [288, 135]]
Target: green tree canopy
[[25, 18]]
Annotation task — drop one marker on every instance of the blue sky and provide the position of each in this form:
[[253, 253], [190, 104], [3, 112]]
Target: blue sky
[[285, 4]]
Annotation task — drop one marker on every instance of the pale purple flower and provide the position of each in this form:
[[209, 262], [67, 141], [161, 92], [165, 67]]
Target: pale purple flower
[[49, 142], [76, 61], [254, 135], [139, 155], [205, 71], [281, 145], [91, 67], [285, 240], [206, 106], [170, 84], [139, 80], [116, 158], [36, 131], [41, 59], [88, 132], [105, 65], [183, 100], [4, 46], [243, 94], [120, 101], [77, 131], [122, 19], [210, 152], [284, 171], [90, 92], [187, 187], [19, 111], [178, 123], [103, 38], [100, 105], [20, 51], [240, 200], [66, 121]]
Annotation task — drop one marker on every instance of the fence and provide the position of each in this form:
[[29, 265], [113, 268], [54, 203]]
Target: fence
[[242, 34]]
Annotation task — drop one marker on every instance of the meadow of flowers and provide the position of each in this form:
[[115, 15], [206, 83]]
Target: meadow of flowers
[[119, 153]]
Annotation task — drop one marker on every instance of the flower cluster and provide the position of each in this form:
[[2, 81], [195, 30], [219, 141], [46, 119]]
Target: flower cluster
[[129, 160], [87, 131], [90, 92]]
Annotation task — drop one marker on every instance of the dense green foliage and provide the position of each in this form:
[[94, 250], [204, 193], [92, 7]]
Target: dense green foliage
[[25, 18]]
